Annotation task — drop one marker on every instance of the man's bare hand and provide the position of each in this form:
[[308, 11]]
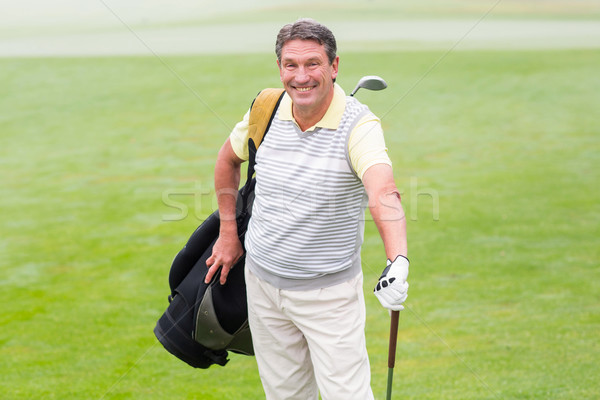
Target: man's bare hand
[[226, 252]]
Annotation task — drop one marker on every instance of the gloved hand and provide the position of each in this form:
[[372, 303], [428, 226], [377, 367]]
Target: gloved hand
[[392, 288]]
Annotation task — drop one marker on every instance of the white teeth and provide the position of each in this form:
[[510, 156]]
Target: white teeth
[[306, 89]]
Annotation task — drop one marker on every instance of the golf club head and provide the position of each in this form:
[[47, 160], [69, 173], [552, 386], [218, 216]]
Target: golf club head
[[370, 82]]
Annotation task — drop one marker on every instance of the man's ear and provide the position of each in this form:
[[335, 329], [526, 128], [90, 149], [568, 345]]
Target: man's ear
[[280, 72], [335, 65]]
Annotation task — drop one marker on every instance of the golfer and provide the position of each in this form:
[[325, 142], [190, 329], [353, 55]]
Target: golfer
[[323, 155]]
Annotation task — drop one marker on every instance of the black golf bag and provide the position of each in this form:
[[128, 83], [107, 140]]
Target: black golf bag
[[204, 321]]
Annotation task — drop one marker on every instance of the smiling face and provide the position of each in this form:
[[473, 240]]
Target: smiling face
[[307, 77]]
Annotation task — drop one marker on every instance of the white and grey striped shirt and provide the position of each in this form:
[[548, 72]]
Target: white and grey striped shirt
[[307, 219]]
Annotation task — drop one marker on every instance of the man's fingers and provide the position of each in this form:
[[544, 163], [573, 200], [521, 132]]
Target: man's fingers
[[391, 293], [224, 272], [224, 259], [210, 260], [211, 272]]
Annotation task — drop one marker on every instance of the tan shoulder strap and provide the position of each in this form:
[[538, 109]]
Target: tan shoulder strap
[[261, 113]]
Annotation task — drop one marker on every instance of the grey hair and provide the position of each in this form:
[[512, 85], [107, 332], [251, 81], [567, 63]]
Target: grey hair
[[307, 29]]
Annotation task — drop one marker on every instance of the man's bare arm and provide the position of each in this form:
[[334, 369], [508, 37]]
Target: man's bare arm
[[227, 249], [386, 209]]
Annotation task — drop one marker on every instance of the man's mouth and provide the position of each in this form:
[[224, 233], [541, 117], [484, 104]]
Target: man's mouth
[[303, 89]]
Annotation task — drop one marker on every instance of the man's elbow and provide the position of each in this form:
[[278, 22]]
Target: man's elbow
[[385, 205], [228, 156]]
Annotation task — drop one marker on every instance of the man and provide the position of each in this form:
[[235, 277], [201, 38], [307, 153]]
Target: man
[[322, 152]]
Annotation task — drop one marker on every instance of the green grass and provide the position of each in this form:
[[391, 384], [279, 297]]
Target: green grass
[[497, 156]]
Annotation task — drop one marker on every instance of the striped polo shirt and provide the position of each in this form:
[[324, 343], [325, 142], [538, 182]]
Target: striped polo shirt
[[307, 223]]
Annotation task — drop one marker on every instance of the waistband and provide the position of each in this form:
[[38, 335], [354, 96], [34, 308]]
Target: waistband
[[319, 282]]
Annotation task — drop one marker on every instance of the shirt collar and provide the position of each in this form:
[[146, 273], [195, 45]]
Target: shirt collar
[[331, 119]]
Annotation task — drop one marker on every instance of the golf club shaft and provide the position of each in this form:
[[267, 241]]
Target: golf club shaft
[[388, 395], [393, 339], [392, 351]]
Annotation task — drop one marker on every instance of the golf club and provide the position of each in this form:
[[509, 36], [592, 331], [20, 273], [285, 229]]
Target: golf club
[[370, 82], [392, 352], [373, 82]]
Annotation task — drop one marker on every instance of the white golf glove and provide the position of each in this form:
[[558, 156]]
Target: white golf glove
[[392, 288]]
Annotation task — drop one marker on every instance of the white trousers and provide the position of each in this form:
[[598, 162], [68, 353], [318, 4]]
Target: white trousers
[[310, 341]]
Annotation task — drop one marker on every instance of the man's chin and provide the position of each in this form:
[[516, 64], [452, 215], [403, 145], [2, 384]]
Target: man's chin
[[302, 98]]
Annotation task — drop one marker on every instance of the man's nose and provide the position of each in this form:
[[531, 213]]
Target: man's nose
[[302, 75]]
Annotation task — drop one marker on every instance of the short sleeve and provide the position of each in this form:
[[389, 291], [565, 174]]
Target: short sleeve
[[366, 145], [239, 138]]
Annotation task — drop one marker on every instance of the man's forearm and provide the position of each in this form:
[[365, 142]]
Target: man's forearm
[[227, 181], [386, 209], [227, 249], [388, 215]]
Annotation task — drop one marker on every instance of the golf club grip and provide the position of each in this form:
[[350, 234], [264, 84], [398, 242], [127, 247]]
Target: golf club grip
[[393, 338]]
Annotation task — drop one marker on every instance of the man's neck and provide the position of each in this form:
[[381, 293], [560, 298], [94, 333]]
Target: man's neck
[[306, 117]]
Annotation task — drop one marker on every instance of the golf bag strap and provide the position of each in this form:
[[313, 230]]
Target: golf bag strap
[[262, 112]]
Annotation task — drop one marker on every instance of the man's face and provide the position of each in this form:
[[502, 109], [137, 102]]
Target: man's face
[[307, 75]]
